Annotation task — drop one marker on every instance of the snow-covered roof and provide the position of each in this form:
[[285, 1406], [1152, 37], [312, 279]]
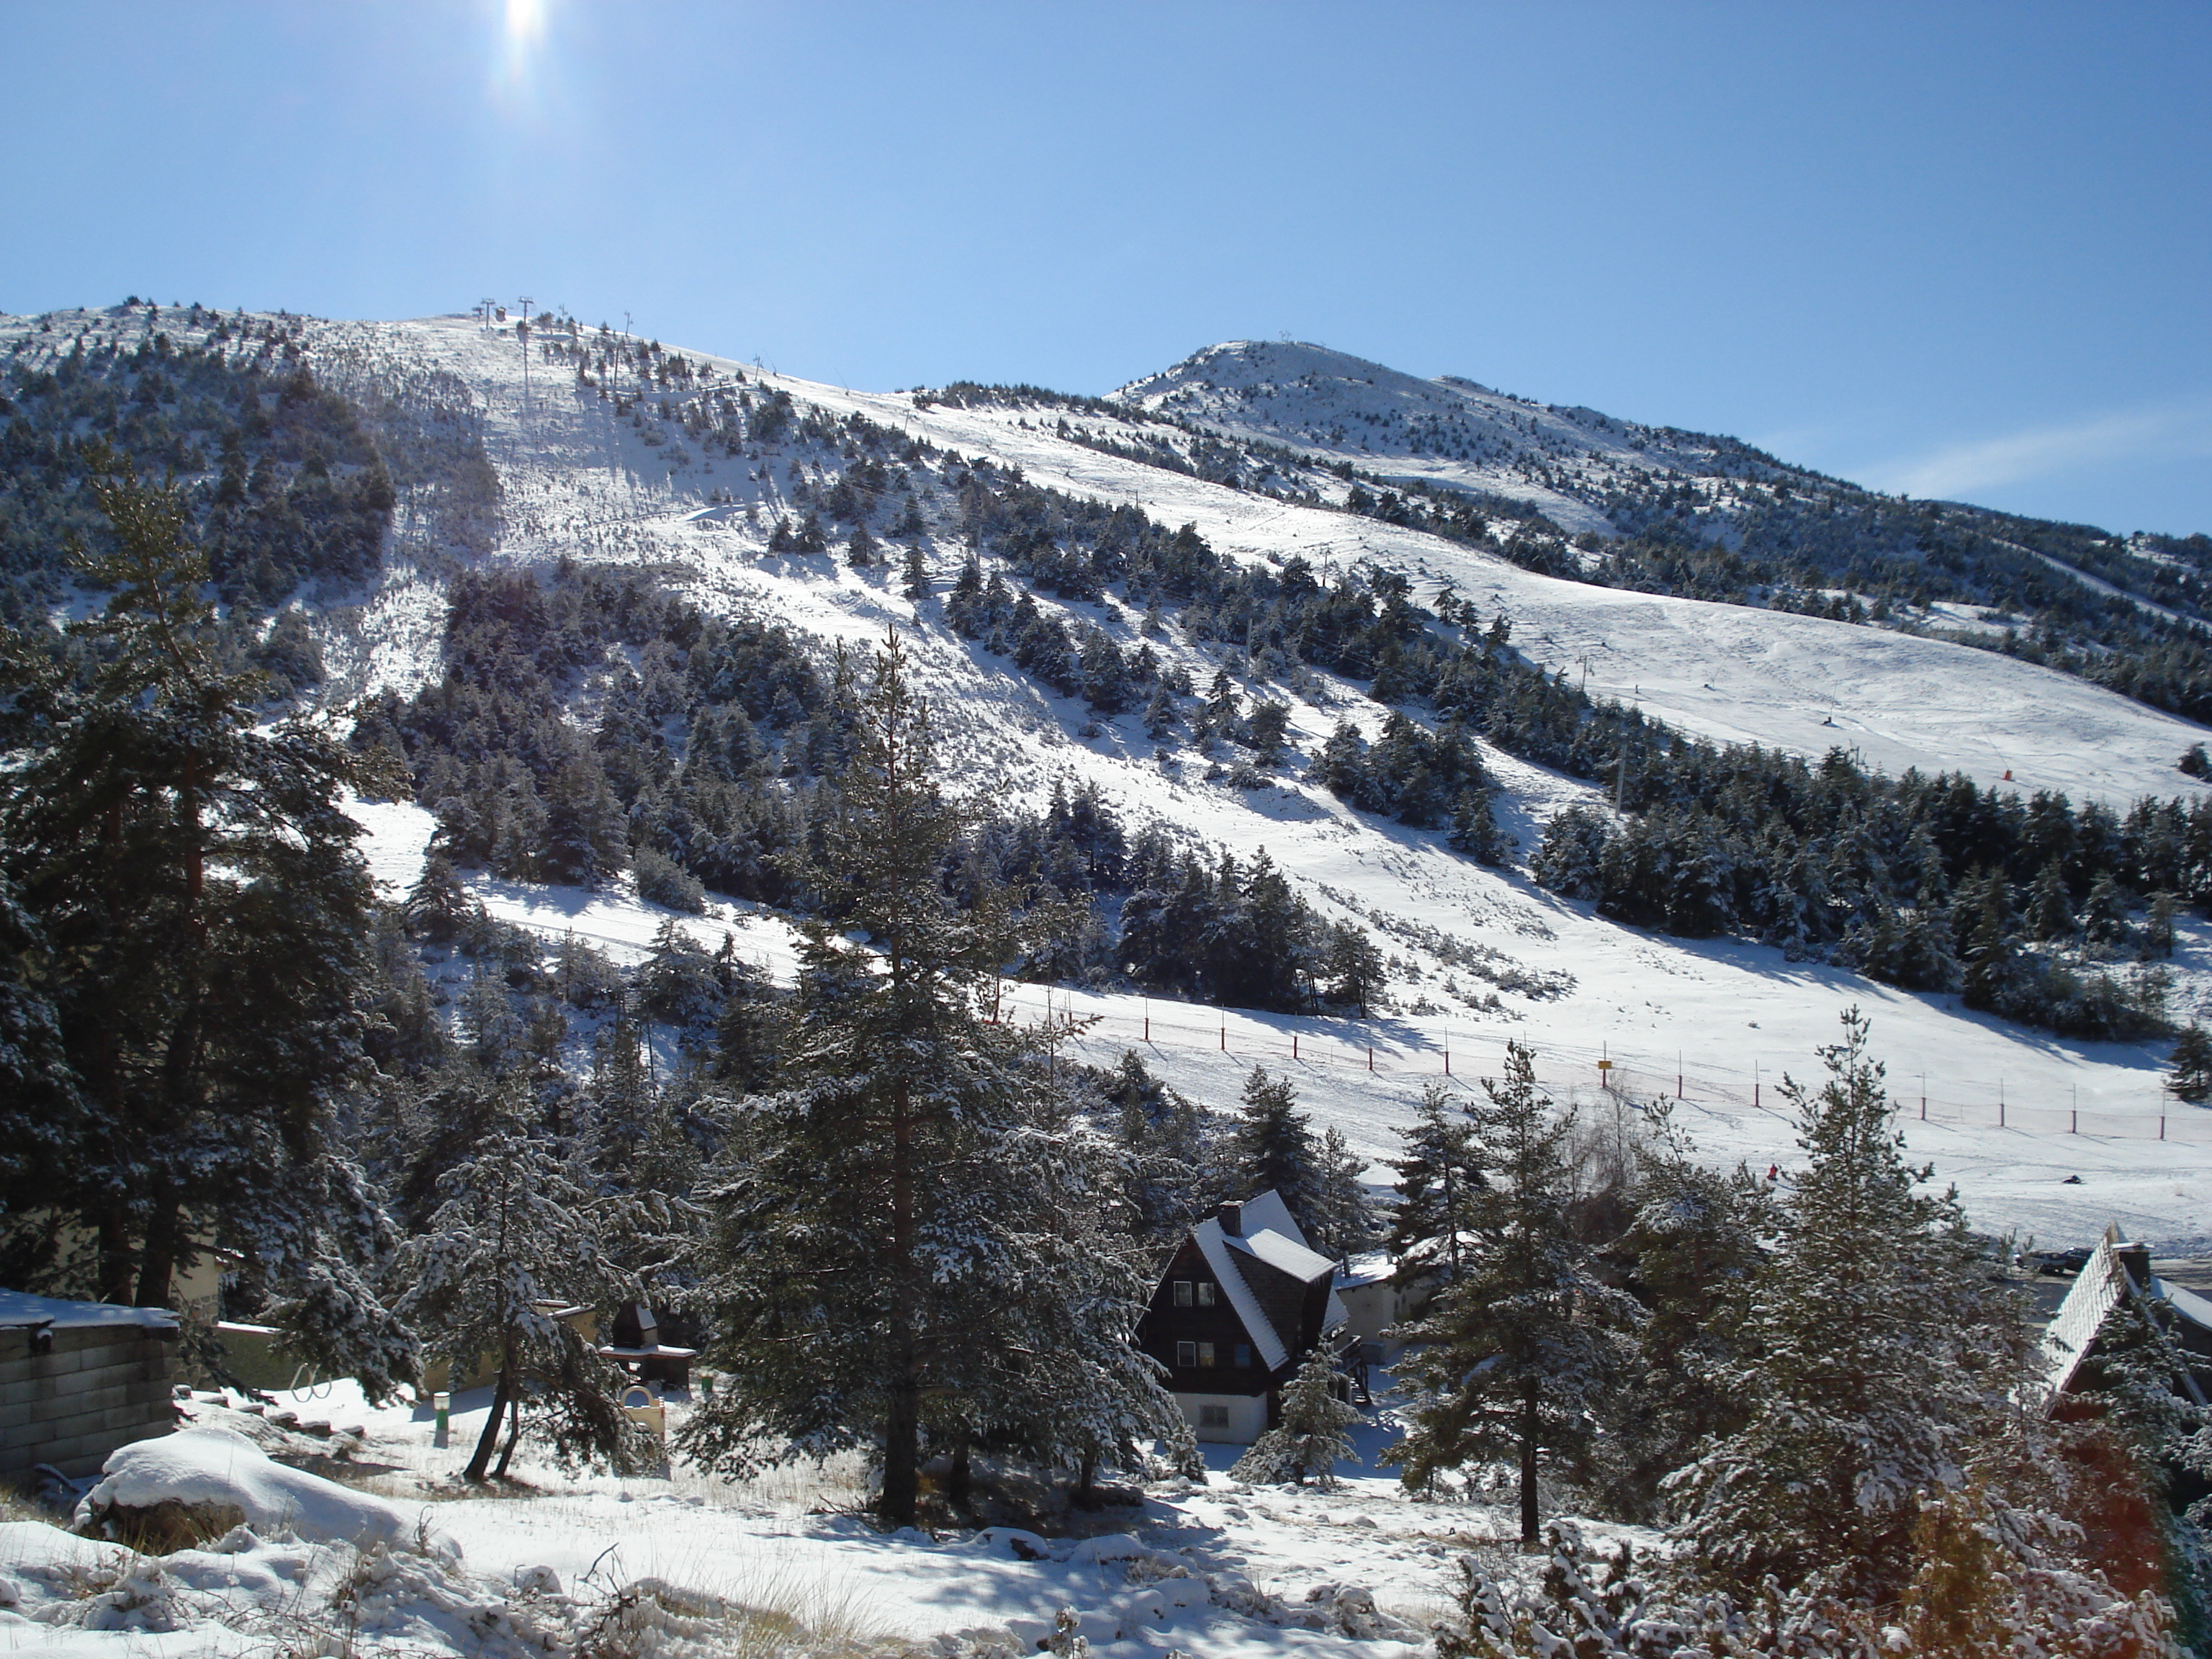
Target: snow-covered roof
[[2102, 1283], [21, 1308], [1266, 1212], [1279, 1252], [1213, 1244], [1270, 1235], [1369, 1267], [2197, 1310], [2073, 1329]]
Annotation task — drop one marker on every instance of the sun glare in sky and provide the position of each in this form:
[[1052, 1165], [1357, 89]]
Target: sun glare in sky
[[516, 81]]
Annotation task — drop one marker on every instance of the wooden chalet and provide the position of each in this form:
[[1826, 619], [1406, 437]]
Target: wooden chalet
[[1242, 1301], [2117, 1272]]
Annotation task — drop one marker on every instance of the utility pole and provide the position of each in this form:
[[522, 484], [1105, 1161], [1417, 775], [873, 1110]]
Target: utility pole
[[522, 332]]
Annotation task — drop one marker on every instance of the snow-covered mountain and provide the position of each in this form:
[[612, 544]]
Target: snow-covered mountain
[[1449, 430], [599, 462]]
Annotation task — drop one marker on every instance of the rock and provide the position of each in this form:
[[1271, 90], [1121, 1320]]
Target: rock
[[164, 1528]]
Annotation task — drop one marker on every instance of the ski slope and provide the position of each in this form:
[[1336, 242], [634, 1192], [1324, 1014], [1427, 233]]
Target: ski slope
[[1726, 1018], [1731, 1018]]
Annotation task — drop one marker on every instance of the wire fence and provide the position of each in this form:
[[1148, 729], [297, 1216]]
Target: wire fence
[[1405, 1049]]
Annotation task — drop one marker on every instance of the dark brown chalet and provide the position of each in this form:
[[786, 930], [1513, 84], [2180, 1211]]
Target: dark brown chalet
[[1241, 1302]]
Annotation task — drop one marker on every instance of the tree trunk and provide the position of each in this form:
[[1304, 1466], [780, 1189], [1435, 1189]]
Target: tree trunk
[[118, 1261], [480, 1463], [902, 1452], [513, 1434], [902, 1422], [960, 1481], [1528, 1471], [157, 1263], [1086, 1480]]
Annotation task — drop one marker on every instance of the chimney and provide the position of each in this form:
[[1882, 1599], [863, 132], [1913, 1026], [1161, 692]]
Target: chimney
[[2136, 1259], [1232, 1220]]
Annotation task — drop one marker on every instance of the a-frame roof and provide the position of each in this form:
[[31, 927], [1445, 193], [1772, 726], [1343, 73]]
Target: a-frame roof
[[1269, 1233]]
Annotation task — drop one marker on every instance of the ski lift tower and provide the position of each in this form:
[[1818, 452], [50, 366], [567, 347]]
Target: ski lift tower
[[522, 333]]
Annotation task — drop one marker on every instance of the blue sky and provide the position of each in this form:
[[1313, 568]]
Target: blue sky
[[1954, 250]]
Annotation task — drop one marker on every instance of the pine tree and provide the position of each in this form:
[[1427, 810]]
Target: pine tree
[[438, 907], [1268, 729], [1273, 1147], [1162, 1136], [1696, 1240], [2050, 908], [515, 1231], [1474, 830], [1517, 1357], [1159, 714], [1312, 1437], [195, 892], [1344, 1217], [2190, 1074], [906, 1239], [1356, 967], [1862, 1362], [1437, 1180]]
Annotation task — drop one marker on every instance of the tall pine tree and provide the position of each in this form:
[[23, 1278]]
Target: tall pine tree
[[903, 1236], [1861, 1365], [1514, 1359], [203, 919]]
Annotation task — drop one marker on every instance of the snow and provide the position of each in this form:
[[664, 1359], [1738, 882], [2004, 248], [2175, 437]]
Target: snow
[[1218, 1569], [1729, 1018], [19, 1307], [220, 1468], [1724, 1017]]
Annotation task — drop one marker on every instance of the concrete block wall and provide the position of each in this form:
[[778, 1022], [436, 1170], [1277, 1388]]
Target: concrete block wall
[[103, 1386]]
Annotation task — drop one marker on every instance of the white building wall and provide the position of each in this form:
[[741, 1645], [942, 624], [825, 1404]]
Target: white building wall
[[1246, 1417]]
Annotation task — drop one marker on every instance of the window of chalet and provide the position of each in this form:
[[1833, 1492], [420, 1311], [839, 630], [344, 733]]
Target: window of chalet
[[1213, 1417], [1187, 1355], [1204, 1292], [1244, 1354], [1204, 1354], [1182, 1297]]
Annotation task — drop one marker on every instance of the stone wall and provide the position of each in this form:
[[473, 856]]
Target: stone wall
[[101, 1387]]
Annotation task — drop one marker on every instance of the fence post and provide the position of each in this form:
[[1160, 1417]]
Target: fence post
[[1294, 1045], [2074, 1120], [2161, 1125], [1448, 1059], [1225, 1036], [1370, 1063]]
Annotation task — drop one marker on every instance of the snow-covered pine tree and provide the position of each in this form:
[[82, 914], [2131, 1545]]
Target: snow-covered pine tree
[[41, 1111], [2189, 1074], [1313, 1436], [1862, 1364], [1163, 1144], [198, 900], [1273, 1146], [1697, 1240], [1438, 1179], [1344, 1217], [515, 1228], [1516, 1358], [902, 1237]]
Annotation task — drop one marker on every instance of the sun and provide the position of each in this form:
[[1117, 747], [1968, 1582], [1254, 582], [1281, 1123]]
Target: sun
[[526, 22]]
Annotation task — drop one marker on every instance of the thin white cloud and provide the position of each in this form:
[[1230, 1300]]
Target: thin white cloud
[[2165, 432]]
